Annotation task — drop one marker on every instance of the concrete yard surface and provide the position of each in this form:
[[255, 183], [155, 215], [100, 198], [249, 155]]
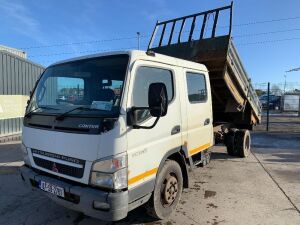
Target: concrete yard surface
[[262, 189]]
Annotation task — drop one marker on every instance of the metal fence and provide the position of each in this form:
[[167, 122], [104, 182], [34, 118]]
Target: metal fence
[[17, 79], [280, 106]]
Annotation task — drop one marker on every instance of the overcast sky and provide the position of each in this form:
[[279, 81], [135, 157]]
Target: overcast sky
[[32, 23]]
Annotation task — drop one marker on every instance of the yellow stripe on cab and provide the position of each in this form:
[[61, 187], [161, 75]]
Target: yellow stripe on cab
[[142, 176], [199, 149]]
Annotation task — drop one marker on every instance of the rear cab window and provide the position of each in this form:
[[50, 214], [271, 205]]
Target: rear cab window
[[196, 87]]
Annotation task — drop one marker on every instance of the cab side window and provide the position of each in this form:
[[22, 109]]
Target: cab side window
[[143, 78], [196, 86]]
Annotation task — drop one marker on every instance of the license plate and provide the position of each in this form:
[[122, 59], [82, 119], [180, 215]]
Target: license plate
[[51, 188]]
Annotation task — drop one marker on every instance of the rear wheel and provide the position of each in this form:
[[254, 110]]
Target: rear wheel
[[242, 143], [230, 143], [167, 191]]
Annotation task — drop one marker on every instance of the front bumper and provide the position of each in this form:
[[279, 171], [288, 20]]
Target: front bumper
[[81, 198]]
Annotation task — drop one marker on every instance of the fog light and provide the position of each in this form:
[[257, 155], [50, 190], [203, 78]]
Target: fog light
[[101, 206]]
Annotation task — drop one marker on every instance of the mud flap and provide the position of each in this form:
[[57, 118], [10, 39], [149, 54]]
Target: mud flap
[[205, 156]]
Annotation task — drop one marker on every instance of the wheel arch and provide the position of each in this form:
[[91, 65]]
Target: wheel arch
[[179, 156]]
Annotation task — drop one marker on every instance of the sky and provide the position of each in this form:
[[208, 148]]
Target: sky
[[50, 31]]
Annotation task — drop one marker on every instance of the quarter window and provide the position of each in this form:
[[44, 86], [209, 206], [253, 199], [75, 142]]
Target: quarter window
[[196, 86]]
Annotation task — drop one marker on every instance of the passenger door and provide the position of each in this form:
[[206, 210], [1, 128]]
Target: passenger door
[[199, 112], [147, 147]]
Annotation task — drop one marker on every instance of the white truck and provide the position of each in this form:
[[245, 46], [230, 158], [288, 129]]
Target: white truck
[[106, 133]]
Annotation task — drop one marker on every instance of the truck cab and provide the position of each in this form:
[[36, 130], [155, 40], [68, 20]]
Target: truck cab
[[106, 133]]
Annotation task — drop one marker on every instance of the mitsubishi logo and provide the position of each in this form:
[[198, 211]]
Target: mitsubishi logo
[[54, 168]]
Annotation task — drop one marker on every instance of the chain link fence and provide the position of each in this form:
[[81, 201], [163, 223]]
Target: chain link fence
[[280, 106]]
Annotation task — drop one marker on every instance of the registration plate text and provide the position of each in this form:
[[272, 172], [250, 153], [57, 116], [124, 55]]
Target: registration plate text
[[51, 188]]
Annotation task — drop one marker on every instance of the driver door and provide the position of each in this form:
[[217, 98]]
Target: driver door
[[147, 147]]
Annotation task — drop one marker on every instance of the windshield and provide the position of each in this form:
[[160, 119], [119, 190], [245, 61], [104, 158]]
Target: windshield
[[95, 83]]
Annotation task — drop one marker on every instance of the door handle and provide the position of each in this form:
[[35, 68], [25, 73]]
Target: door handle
[[175, 130], [206, 122]]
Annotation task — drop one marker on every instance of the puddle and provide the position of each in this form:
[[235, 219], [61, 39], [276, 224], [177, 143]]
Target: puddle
[[195, 188], [209, 194], [200, 182], [211, 205]]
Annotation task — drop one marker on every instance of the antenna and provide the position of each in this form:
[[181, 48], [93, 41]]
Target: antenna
[[138, 39]]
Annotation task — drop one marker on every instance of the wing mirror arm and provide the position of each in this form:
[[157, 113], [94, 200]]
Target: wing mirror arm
[[145, 127], [131, 118]]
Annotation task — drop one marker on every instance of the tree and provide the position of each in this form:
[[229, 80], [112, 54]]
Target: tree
[[260, 92], [275, 90], [297, 91]]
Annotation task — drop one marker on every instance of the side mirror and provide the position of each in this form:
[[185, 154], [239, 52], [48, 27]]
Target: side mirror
[[158, 99], [158, 106]]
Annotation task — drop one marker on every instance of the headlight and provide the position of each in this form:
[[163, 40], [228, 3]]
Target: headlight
[[110, 165], [117, 180], [110, 173]]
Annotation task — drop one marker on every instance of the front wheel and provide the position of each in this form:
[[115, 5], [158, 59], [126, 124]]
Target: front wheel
[[167, 191]]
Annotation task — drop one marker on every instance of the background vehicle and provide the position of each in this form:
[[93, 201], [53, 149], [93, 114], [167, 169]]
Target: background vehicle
[[274, 101], [135, 123]]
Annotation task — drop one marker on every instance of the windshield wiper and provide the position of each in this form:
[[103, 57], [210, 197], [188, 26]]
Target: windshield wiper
[[39, 107], [62, 116]]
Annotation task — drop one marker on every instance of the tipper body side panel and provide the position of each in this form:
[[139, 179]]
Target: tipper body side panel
[[234, 99]]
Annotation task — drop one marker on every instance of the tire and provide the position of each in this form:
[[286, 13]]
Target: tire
[[243, 143], [167, 191], [230, 137]]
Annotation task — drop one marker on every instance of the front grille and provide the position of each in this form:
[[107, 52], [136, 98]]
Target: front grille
[[59, 167]]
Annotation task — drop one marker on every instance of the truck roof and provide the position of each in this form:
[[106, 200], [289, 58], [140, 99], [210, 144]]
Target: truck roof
[[142, 55]]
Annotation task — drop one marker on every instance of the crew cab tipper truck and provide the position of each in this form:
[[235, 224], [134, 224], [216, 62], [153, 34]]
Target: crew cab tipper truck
[[106, 133]]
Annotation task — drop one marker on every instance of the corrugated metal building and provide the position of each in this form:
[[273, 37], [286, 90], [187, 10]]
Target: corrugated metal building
[[14, 51], [17, 79]]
